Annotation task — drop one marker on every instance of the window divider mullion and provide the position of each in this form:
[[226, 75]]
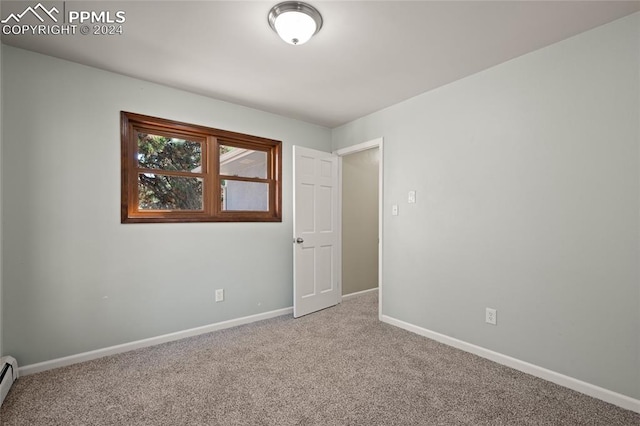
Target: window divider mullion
[[245, 179], [213, 179], [177, 173]]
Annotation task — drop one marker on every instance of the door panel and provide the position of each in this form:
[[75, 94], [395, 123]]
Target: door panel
[[315, 218]]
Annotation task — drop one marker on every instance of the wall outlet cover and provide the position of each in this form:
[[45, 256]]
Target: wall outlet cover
[[491, 316]]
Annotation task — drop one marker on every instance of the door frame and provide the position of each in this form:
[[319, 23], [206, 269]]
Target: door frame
[[374, 143]]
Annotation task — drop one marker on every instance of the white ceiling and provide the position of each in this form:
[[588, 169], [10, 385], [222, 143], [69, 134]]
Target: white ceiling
[[368, 55]]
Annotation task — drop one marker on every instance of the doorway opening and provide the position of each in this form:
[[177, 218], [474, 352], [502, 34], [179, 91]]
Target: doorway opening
[[361, 201]]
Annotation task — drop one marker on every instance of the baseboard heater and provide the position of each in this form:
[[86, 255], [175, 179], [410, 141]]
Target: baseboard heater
[[8, 375]]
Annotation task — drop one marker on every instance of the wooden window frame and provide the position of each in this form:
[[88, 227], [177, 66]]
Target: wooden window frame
[[211, 139]]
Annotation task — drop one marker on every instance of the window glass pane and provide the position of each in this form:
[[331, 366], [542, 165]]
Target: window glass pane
[[165, 153], [239, 195], [161, 192], [243, 162]]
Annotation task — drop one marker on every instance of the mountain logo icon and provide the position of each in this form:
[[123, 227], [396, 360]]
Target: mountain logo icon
[[33, 11]]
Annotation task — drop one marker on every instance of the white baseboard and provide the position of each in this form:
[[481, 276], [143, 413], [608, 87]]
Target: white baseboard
[[112, 350], [358, 293], [543, 373]]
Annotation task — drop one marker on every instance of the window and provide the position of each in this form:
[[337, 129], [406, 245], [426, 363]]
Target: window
[[178, 172]]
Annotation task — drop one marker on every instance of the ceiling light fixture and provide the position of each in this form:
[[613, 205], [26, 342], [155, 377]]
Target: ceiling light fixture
[[294, 21]]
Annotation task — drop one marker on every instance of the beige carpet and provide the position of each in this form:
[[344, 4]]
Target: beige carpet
[[340, 366]]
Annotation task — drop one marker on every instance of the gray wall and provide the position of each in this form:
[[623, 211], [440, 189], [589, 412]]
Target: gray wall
[[75, 279], [528, 187], [360, 220]]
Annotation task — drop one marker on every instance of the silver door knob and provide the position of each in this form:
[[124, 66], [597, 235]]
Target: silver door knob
[[299, 240]]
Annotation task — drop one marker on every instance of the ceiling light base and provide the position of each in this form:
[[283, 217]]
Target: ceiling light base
[[294, 21]]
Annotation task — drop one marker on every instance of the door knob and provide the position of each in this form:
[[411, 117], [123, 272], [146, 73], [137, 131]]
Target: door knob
[[299, 240]]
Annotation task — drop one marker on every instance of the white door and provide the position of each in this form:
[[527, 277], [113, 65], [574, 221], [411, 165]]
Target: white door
[[316, 264]]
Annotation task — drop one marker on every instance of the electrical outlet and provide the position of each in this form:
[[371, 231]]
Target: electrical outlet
[[412, 197], [219, 295], [491, 316]]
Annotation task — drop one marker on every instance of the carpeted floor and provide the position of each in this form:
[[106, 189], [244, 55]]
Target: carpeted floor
[[340, 366]]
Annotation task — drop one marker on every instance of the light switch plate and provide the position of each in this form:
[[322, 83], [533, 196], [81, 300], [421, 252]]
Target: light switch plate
[[394, 210], [412, 197]]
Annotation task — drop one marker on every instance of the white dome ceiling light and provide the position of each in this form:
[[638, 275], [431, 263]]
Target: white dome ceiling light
[[294, 21]]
